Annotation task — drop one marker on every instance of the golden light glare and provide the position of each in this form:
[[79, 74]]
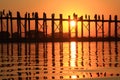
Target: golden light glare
[[74, 77], [72, 23], [73, 54]]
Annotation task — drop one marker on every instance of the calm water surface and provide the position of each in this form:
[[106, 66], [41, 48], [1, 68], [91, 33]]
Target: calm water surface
[[60, 61]]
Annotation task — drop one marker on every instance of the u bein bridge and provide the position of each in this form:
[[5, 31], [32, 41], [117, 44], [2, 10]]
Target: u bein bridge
[[40, 32]]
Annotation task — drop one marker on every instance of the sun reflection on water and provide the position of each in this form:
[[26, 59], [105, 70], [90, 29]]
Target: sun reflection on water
[[60, 61], [74, 77], [73, 54]]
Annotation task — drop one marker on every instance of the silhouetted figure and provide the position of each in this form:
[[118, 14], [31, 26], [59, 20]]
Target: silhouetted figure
[[111, 74], [83, 76], [116, 64], [117, 74], [89, 64], [97, 64], [61, 77], [105, 74], [98, 74], [33, 15], [90, 74], [110, 64], [82, 63], [103, 64]]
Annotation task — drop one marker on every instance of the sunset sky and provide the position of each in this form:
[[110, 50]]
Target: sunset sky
[[66, 7]]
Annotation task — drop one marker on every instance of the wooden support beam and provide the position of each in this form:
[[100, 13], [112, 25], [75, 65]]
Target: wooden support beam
[[109, 27], [11, 23], [36, 25], [44, 25], [76, 26], [25, 26], [61, 26], [1, 20], [96, 33], [53, 15], [7, 22], [28, 24], [69, 28], [116, 19], [103, 26], [81, 18], [89, 26], [18, 24]]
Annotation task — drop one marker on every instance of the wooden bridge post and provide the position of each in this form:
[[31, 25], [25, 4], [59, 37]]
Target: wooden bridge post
[[53, 15], [89, 26], [76, 17], [109, 27], [25, 26], [7, 22], [44, 19], [116, 21], [18, 24], [61, 27], [81, 18], [1, 20], [96, 25], [76, 26], [103, 26], [11, 23], [44, 25], [69, 27], [28, 24], [36, 25]]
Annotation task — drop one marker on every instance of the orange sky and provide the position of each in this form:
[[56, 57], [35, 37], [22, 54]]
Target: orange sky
[[66, 7]]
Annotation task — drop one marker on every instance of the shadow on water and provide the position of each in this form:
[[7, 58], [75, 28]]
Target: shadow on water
[[59, 60]]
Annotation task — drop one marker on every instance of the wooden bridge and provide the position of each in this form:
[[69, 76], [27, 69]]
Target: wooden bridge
[[40, 32]]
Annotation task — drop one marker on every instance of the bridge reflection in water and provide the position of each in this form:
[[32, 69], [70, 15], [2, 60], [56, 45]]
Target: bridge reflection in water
[[60, 60]]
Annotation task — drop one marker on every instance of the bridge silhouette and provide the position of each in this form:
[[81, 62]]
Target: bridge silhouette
[[40, 33]]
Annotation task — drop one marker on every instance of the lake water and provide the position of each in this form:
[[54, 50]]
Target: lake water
[[60, 61]]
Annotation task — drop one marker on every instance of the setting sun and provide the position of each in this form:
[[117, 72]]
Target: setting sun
[[72, 23]]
